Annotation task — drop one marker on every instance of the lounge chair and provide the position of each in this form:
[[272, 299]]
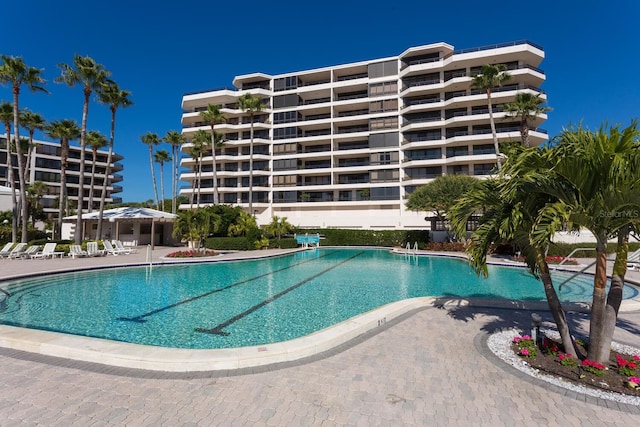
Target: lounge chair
[[6, 250], [120, 247], [17, 251], [92, 249], [49, 251], [633, 260], [108, 247], [31, 250], [76, 251]]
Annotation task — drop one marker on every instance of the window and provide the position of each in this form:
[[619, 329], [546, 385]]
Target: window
[[484, 149], [284, 101], [385, 88], [385, 193], [285, 164], [285, 148], [286, 117], [383, 123], [383, 105], [457, 151], [284, 181], [484, 169], [382, 69], [285, 133], [285, 83], [378, 140]]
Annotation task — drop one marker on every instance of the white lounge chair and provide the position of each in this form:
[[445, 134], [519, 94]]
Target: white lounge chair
[[120, 247], [17, 251], [76, 251], [108, 247], [48, 251], [92, 249], [633, 260], [31, 250], [6, 250]]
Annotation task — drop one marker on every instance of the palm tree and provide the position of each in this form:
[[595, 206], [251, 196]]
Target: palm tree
[[175, 139], [96, 141], [32, 122], [194, 225], [115, 98], [161, 156], [213, 116], [6, 116], [36, 191], [92, 77], [64, 130], [244, 223], [491, 76], [596, 178], [509, 213], [250, 104], [151, 140], [278, 227], [526, 107], [16, 73], [199, 140]]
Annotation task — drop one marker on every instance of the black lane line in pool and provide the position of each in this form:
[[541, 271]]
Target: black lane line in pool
[[141, 318], [218, 329]]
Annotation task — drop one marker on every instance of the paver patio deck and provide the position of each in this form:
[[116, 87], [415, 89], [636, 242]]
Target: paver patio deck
[[426, 368]]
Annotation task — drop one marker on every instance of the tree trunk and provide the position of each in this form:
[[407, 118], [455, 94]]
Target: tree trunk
[[598, 348], [153, 176], [555, 306], [62, 199], [12, 186], [93, 174], [83, 143], [28, 160], [214, 170], [173, 179], [493, 129], [103, 195], [23, 189], [614, 298], [524, 132], [162, 184], [251, 168]]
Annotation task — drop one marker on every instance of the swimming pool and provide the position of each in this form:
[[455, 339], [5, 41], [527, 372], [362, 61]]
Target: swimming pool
[[248, 303]]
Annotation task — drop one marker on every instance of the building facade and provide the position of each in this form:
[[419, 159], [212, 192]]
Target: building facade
[[344, 146], [45, 163]]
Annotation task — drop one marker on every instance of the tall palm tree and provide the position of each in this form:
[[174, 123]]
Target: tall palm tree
[[92, 77], [32, 122], [199, 140], [596, 177], [96, 141], [36, 191], [491, 76], [64, 130], [161, 157], [175, 139], [152, 140], [250, 104], [526, 108], [6, 116], [16, 73], [509, 213], [213, 116], [115, 98]]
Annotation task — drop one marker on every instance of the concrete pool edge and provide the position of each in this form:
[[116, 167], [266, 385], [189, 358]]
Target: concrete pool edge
[[150, 358]]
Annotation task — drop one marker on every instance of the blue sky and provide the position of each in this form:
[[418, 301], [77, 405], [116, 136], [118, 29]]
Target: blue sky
[[159, 50]]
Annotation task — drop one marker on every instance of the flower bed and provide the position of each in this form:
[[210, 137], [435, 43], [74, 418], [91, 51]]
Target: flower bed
[[619, 374], [554, 260], [192, 253]]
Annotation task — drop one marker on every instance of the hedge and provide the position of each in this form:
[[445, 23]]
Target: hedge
[[386, 238]]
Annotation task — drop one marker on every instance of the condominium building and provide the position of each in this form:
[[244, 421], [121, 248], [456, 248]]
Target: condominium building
[[344, 146], [45, 163]]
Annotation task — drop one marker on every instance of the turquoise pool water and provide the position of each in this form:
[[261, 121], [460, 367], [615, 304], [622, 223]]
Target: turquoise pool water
[[234, 304]]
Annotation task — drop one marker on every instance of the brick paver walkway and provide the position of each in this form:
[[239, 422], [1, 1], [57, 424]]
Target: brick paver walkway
[[424, 370]]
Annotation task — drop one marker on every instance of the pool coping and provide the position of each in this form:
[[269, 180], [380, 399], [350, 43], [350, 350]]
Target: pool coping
[[143, 357]]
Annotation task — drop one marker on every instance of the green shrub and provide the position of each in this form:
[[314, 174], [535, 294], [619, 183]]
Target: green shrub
[[284, 243], [226, 243]]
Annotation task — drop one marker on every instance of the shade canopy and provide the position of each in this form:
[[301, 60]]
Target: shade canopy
[[128, 214]]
